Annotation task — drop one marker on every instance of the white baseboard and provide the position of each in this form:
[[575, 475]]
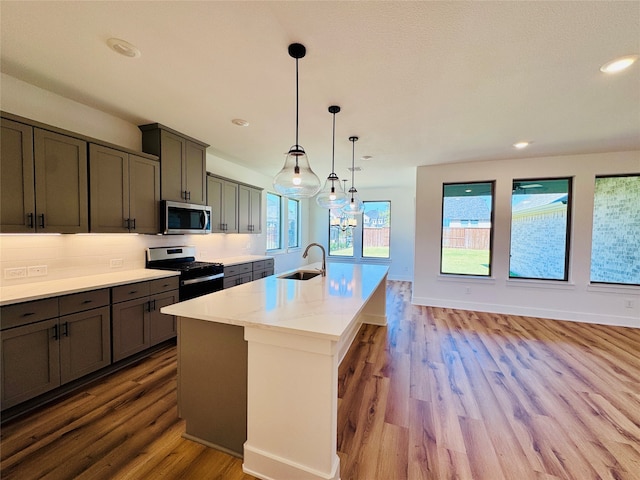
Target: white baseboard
[[586, 317]]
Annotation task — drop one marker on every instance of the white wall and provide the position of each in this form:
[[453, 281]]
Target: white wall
[[576, 299], [401, 236], [77, 255]]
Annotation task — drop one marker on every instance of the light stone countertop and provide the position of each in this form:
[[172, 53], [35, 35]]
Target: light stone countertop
[[65, 286], [320, 307], [228, 261]]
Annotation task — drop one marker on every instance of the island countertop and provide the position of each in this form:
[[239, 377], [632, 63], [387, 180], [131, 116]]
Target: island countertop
[[320, 307]]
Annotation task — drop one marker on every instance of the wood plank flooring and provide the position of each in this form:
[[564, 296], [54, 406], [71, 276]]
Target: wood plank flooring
[[437, 394]]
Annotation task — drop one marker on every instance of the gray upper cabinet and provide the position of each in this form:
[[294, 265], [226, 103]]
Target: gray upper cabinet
[[44, 181], [17, 195], [125, 191], [249, 209], [62, 199], [183, 163], [222, 197]]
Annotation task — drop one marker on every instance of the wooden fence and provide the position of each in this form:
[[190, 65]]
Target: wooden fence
[[472, 238], [377, 237]]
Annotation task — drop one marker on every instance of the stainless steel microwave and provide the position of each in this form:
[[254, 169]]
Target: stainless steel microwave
[[185, 218]]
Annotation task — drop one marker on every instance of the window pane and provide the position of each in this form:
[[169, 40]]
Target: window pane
[[376, 225], [467, 213], [340, 236], [273, 222], [292, 218], [615, 256], [540, 212]]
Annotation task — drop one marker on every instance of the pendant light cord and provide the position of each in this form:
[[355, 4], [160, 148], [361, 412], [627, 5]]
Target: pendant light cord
[[353, 155], [333, 147], [297, 144]]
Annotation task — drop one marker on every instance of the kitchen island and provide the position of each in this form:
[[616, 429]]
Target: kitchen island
[[260, 362]]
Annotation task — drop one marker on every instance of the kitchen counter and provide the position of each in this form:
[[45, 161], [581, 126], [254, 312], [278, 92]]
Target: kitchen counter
[[258, 366], [228, 261], [64, 286], [322, 307]]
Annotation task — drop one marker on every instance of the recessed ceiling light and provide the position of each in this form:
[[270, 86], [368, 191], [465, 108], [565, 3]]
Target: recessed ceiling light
[[123, 48], [521, 145], [366, 157], [619, 64], [240, 122], [468, 190]]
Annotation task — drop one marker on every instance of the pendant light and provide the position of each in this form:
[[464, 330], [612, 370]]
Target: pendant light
[[296, 179], [354, 205], [332, 195]]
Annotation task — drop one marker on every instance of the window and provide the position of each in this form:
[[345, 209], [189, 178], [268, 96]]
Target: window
[[540, 219], [340, 235], [615, 257], [376, 225], [467, 231], [293, 219], [274, 237]]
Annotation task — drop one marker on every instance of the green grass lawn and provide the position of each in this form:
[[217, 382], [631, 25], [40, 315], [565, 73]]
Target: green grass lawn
[[377, 252], [463, 261]]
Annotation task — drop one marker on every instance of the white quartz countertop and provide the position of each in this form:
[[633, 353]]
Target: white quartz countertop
[[228, 261], [320, 307], [39, 290]]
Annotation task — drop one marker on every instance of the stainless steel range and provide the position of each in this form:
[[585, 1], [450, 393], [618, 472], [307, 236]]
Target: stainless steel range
[[196, 278]]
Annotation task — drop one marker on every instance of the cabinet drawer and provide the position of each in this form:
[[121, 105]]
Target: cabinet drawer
[[237, 280], [129, 292], [163, 285], [237, 269], [79, 302], [28, 312], [269, 263], [265, 272], [258, 265]]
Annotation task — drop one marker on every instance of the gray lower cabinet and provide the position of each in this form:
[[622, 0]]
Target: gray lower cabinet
[[47, 343], [136, 318], [247, 272]]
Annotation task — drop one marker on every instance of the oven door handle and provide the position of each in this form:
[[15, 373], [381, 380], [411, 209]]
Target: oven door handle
[[201, 279]]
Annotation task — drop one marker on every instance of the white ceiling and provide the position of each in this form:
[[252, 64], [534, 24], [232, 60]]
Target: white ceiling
[[419, 82]]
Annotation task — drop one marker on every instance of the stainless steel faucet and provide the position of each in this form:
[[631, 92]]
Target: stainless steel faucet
[[324, 257]]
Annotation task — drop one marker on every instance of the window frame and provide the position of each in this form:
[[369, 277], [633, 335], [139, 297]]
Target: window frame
[[492, 184], [297, 233], [600, 282], [279, 229], [567, 240]]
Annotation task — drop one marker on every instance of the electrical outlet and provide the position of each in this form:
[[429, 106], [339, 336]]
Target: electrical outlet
[[628, 303], [37, 271], [13, 273], [115, 263]]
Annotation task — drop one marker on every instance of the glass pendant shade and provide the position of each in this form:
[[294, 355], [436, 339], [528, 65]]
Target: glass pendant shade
[[296, 179], [332, 195], [354, 205]]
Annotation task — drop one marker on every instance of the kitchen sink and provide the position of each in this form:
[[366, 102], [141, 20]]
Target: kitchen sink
[[300, 275]]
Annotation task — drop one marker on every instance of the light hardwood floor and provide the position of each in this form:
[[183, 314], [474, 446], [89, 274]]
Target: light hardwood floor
[[438, 394]]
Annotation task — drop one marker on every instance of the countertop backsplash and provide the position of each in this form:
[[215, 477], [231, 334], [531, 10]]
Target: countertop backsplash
[[68, 256]]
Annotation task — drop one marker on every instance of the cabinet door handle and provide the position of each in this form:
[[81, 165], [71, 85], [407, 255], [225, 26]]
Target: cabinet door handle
[[65, 329], [134, 224], [55, 332], [188, 195], [30, 220], [41, 220], [128, 224], [86, 301], [28, 314], [154, 305]]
